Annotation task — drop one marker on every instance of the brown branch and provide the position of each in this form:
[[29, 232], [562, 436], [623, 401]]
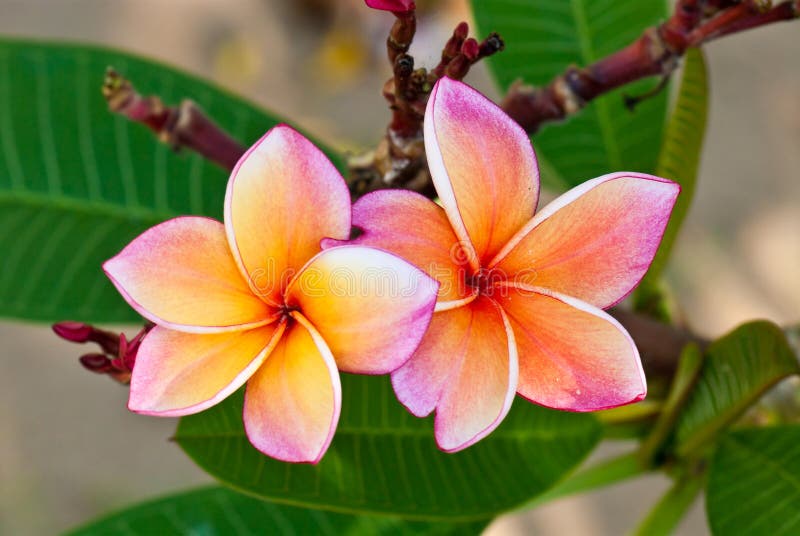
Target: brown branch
[[782, 12], [399, 159], [183, 126], [656, 52]]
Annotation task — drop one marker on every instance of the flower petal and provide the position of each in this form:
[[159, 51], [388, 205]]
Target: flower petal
[[418, 384], [371, 307], [292, 403], [479, 393], [397, 6], [180, 373], [283, 197], [596, 241], [572, 355], [466, 368], [180, 274], [482, 165], [416, 229]]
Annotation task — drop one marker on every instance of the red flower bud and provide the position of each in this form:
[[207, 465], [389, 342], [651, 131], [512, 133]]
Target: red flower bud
[[462, 30], [73, 331], [395, 6], [470, 49], [98, 363]]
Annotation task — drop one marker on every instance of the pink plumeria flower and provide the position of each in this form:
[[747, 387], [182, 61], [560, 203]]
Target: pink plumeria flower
[[521, 296], [254, 300], [395, 6]]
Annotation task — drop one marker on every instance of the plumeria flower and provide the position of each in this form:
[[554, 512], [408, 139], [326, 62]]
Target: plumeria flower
[[521, 296], [254, 300]]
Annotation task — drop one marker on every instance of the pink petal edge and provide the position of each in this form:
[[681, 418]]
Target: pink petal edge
[[513, 378], [339, 184], [595, 311], [337, 397], [482, 165], [137, 406], [395, 6], [574, 194], [109, 270]]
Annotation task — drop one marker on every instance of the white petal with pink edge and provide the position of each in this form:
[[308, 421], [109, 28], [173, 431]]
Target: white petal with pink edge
[[180, 274], [482, 165]]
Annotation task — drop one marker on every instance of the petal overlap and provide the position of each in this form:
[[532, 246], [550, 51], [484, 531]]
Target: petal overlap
[[596, 241], [292, 403], [529, 317], [419, 383], [416, 229], [482, 165], [180, 373], [283, 198], [180, 274], [371, 307], [466, 369], [572, 355]]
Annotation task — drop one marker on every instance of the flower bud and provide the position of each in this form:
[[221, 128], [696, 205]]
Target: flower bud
[[395, 6], [73, 331], [470, 49], [98, 363]]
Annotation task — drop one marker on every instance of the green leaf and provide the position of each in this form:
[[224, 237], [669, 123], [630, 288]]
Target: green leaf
[[754, 483], [602, 474], [215, 510], [679, 159], [738, 369], [77, 183], [543, 37], [385, 461]]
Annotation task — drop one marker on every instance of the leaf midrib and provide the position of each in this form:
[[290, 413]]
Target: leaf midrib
[[84, 206]]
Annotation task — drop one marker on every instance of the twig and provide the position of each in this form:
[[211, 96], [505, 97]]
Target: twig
[[656, 52], [782, 12], [399, 159], [183, 126]]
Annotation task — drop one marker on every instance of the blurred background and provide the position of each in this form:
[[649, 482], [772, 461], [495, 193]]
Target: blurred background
[[69, 449]]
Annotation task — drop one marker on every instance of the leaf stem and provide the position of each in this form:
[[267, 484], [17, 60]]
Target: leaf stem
[[672, 507], [597, 476], [689, 367]]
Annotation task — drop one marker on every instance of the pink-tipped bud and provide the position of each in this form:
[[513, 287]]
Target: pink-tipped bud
[[73, 331], [462, 30], [470, 49], [395, 6], [98, 363]]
